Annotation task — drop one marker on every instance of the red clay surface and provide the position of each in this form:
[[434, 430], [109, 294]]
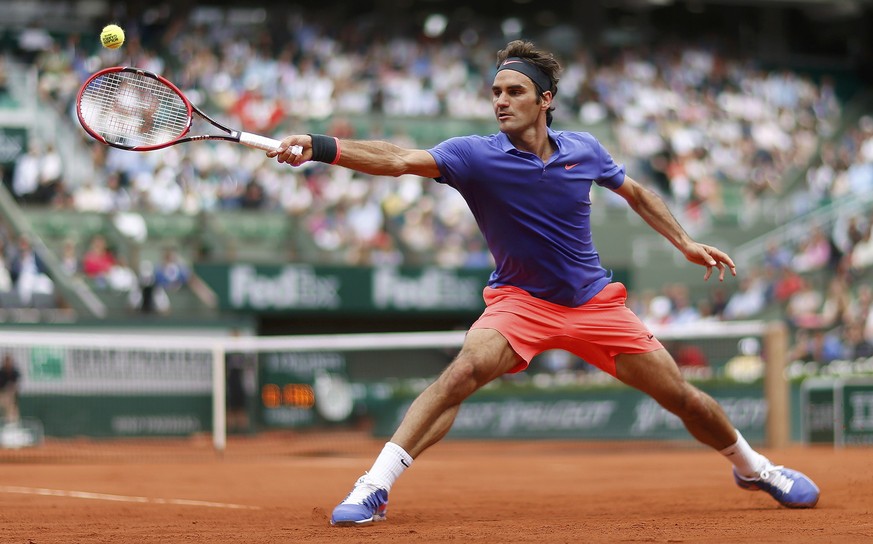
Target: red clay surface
[[459, 492]]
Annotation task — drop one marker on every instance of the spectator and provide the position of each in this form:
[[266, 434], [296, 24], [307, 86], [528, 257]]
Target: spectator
[[748, 301], [856, 346], [70, 258], [120, 199], [816, 345], [240, 367], [29, 274], [786, 283], [253, 196], [4, 78], [9, 378], [92, 197], [6, 284], [718, 300], [862, 253], [25, 177], [149, 298], [859, 306], [50, 175], [803, 307], [172, 273], [97, 261], [121, 277], [682, 311], [814, 252]]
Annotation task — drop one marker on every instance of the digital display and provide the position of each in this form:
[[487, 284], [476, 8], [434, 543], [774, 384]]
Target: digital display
[[295, 395]]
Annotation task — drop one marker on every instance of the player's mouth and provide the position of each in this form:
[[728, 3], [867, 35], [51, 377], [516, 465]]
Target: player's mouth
[[503, 116]]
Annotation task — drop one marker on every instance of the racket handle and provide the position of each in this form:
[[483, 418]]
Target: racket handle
[[264, 143]]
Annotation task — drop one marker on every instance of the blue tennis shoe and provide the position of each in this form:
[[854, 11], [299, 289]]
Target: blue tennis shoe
[[366, 504], [789, 487]]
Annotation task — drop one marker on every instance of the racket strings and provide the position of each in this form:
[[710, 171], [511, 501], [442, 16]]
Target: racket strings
[[133, 110]]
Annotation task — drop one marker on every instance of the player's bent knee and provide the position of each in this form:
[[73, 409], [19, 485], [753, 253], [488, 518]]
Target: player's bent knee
[[458, 381]]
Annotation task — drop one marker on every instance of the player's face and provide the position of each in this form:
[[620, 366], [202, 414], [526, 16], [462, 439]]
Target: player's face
[[514, 98]]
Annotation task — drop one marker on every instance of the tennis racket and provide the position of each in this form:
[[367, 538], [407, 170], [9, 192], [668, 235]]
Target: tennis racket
[[137, 110]]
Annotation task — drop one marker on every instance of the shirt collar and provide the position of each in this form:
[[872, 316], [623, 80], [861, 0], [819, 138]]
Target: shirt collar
[[507, 147]]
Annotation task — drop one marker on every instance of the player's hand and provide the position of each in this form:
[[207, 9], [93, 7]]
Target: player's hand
[[294, 150], [710, 257]]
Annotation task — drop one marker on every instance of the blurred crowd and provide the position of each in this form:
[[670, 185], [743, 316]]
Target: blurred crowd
[[691, 119], [843, 169], [821, 283]]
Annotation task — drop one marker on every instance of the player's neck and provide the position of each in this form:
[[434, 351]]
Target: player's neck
[[534, 139]]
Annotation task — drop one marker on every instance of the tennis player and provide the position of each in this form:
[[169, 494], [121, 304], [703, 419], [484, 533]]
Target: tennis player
[[528, 187]]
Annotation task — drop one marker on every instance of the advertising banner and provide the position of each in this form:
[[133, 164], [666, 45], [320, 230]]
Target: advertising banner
[[306, 288]]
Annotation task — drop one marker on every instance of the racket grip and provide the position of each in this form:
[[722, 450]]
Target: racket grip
[[264, 143]]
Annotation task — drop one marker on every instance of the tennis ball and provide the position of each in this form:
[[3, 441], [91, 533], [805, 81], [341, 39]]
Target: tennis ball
[[112, 36]]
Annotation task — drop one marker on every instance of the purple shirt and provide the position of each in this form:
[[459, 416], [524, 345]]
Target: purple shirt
[[534, 216]]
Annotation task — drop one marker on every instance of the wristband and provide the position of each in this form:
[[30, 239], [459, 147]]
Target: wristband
[[325, 148]]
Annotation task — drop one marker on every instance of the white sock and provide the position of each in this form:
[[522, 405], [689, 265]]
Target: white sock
[[389, 466], [748, 462]]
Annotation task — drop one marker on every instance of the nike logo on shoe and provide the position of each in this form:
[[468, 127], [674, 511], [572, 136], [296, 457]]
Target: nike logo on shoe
[[571, 166]]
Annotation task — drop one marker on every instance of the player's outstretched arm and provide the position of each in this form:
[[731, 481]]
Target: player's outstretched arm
[[655, 212], [366, 156]]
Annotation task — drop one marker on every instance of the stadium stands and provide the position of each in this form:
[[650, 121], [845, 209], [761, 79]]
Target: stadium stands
[[722, 137]]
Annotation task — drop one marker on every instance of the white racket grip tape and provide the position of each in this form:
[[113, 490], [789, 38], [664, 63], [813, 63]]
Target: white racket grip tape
[[262, 142]]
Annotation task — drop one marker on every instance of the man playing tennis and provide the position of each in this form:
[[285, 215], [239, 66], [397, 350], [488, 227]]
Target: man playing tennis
[[528, 187]]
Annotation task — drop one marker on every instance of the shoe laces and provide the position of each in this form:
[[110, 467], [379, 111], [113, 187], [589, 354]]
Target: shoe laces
[[364, 493], [773, 475]]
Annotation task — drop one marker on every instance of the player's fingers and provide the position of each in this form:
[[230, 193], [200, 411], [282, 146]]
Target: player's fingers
[[724, 258], [287, 151], [287, 154], [703, 257], [275, 152]]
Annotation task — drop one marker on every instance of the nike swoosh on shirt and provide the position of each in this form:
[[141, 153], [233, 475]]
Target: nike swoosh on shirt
[[569, 166]]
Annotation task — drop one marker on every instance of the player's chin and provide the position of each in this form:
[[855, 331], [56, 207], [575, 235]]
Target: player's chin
[[505, 123]]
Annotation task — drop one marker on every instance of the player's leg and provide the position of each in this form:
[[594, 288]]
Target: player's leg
[[484, 356], [656, 374]]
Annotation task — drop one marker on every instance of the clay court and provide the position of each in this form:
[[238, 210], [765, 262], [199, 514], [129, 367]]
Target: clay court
[[459, 491]]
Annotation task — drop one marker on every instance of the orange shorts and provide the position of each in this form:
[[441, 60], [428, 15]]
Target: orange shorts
[[597, 331]]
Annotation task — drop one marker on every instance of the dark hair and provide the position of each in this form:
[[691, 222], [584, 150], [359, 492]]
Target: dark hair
[[544, 60]]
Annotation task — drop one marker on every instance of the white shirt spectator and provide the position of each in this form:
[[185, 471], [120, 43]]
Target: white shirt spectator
[[862, 254], [748, 301], [25, 179], [91, 197], [52, 166]]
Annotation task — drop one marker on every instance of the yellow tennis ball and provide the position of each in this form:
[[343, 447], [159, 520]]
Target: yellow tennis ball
[[112, 36]]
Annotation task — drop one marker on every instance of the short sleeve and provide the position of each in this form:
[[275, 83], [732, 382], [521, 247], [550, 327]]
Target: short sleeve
[[454, 158], [611, 174]]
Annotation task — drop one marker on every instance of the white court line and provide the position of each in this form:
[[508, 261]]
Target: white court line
[[118, 498]]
